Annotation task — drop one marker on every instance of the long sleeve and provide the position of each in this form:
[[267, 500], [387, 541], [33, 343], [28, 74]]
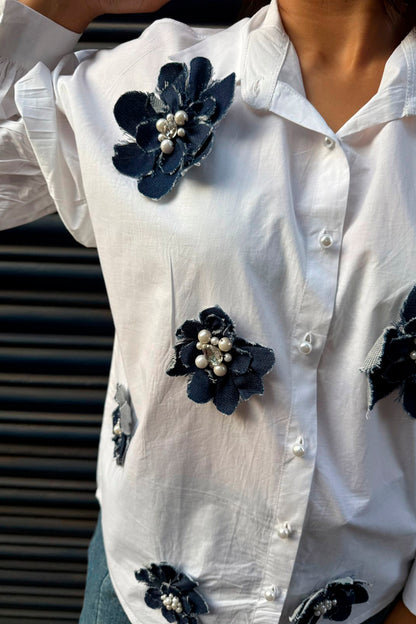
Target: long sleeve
[[38, 163]]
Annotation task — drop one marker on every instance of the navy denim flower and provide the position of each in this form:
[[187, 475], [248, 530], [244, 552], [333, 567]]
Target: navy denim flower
[[221, 366], [173, 129], [122, 424], [391, 363], [333, 602], [173, 592]]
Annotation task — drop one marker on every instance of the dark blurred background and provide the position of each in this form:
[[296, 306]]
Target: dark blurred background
[[56, 338]]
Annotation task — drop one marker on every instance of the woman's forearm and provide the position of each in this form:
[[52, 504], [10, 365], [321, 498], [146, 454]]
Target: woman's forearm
[[401, 615], [76, 15]]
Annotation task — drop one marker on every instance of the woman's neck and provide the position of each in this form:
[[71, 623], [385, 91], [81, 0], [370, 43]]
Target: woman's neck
[[343, 34]]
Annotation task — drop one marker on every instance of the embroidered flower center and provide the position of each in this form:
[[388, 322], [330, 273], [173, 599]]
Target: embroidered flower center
[[324, 606], [169, 128], [172, 603], [215, 352]]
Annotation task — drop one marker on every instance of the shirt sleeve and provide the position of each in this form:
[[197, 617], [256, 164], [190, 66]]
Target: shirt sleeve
[[409, 592], [38, 161]]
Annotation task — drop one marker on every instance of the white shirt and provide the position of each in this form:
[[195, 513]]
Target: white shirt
[[299, 234]]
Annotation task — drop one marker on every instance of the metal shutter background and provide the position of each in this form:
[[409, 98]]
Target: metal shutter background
[[56, 338]]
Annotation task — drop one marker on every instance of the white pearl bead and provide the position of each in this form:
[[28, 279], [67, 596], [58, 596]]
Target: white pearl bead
[[228, 357], [225, 344], [283, 531], [170, 118], [181, 132], [161, 137], [163, 597], [178, 609], [298, 450], [270, 594], [214, 341], [175, 601], [334, 602], [201, 361], [326, 241], [181, 118], [117, 429], [305, 347], [204, 336], [199, 346], [328, 604], [167, 146], [413, 355], [161, 125], [220, 370]]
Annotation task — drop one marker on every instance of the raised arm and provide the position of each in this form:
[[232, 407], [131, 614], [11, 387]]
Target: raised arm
[[76, 15]]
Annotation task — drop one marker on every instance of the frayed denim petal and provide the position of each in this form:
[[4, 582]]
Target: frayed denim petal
[[223, 93], [248, 385], [198, 134], [169, 616], [216, 320], [152, 598], [409, 397], [197, 603], [176, 367], [397, 371], [226, 396], [408, 311], [204, 151], [200, 387], [263, 359], [188, 354], [172, 73], [146, 136], [170, 164], [172, 98], [392, 360], [205, 109], [132, 109], [158, 184], [189, 329], [199, 77], [240, 363], [132, 161]]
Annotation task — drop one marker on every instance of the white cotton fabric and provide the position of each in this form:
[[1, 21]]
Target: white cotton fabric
[[203, 491]]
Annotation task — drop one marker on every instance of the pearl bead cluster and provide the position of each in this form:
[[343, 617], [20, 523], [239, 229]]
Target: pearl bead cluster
[[324, 606], [215, 352], [170, 128], [172, 603]]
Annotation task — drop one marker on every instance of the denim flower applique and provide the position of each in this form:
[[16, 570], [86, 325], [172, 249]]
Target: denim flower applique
[[173, 592], [173, 129], [333, 602], [391, 363], [122, 424], [221, 366]]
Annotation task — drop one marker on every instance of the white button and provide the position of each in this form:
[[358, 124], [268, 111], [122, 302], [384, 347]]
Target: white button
[[305, 347], [284, 531], [298, 449], [329, 143], [271, 593], [326, 241]]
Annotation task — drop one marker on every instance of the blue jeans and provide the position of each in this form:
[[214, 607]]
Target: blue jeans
[[101, 605]]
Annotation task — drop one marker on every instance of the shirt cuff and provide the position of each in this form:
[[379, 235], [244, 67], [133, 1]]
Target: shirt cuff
[[27, 37], [409, 592]]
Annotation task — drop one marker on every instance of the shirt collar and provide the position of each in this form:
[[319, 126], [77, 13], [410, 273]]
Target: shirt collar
[[266, 65]]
